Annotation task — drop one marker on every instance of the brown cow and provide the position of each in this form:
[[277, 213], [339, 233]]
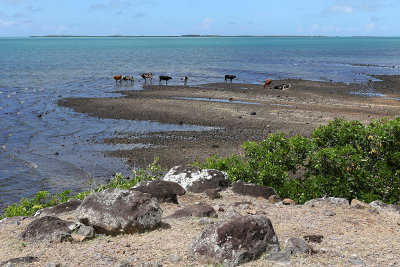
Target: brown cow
[[267, 83], [118, 78]]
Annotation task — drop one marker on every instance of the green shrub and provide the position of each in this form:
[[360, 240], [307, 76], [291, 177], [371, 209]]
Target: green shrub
[[342, 159]]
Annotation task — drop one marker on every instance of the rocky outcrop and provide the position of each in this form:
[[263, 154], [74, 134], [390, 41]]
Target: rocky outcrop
[[117, 211], [49, 229], [199, 210], [236, 241], [194, 180], [253, 190], [162, 191]]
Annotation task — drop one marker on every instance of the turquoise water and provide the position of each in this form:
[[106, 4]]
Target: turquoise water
[[44, 147]]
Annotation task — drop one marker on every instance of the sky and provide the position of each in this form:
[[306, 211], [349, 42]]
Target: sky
[[203, 17]]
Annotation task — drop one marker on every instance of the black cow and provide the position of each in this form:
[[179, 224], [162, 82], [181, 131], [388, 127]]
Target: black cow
[[229, 77], [165, 78]]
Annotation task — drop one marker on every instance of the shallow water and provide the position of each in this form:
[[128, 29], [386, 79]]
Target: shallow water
[[44, 147]]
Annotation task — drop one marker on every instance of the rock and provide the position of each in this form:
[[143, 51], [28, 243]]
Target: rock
[[274, 199], [236, 241], [232, 213], [212, 193], [357, 262], [84, 233], [294, 245], [51, 264], [13, 220], [49, 229], [356, 204], [162, 191], [313, 238], [116, 211], [280, 257], [196, 181], [70, 205], [20, 260], [174, 258], [124, 263], [288, 201], [385, 207], [198, 210], [329, 213], [253, 190], [327, 200]]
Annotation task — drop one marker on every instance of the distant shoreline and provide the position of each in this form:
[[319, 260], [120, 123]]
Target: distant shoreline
[[207, 36]]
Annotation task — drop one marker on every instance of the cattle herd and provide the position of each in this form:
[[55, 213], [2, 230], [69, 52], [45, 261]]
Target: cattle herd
[[119, 78]]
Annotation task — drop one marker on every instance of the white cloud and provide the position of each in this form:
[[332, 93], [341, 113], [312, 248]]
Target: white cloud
[[207, 23], [339, 9], [5, 23]]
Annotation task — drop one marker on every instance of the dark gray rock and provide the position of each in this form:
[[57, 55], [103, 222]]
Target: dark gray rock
[[124, 263], [252, 190], [70, 205], [313, 238], [279, 257], [19, 260], [294, 245], [84, 233], [235, 241], [117, 211], [49, 229], [162, 191], [194, 180], [212, 193], [198, 210]]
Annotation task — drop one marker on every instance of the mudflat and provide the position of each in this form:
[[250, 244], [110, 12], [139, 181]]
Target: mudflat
[[237, 112]]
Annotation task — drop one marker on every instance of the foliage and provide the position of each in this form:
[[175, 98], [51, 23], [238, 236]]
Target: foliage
[[42, 199], [342, 159]]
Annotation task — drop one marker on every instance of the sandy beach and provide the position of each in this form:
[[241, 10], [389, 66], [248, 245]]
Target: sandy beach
[[239, 112]]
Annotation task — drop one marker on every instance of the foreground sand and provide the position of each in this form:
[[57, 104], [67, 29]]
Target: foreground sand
[[351, 234], [297, 110]]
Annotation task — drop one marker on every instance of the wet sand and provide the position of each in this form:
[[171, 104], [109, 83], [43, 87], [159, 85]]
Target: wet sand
[[240, 112]]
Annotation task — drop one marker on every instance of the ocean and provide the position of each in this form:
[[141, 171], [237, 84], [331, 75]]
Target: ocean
[[45, 147]]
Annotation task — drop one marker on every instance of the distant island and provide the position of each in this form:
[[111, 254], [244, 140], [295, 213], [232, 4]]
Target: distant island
[[185, 35]]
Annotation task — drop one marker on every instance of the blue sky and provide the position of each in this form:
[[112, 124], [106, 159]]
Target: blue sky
[[222, 17]]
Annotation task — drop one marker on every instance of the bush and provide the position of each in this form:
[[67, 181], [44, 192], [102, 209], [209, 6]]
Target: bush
[[342, 159]]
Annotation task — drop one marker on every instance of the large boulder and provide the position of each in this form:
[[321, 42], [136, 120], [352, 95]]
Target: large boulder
[[117, 211], [236, 241], [194, 180], [252, 190], [49, 229], [162, 191]]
